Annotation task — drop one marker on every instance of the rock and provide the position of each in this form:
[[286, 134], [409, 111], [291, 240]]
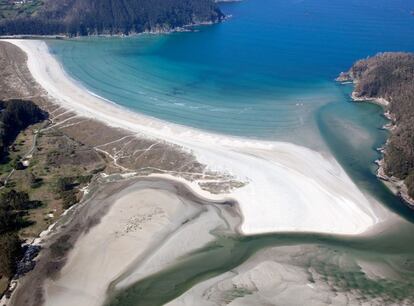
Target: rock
[[27, 263]]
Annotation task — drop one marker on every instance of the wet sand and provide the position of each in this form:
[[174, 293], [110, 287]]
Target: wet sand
[[108, 238]]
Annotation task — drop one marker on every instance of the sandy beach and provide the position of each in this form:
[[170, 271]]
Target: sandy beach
[[220, 166], [288, 187], [138, 230]]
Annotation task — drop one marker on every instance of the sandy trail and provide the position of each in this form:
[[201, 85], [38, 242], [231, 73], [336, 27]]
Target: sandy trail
[[289, 188]]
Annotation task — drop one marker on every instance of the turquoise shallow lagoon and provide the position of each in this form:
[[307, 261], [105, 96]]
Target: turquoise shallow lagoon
[[267, 72]]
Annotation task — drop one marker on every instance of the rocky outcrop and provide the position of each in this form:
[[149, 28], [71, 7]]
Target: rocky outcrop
[[388, 79]]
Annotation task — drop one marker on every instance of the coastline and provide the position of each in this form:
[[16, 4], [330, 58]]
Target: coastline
[[156, 31], [294, 186], [395, 185], [297, 175], [379, 101]]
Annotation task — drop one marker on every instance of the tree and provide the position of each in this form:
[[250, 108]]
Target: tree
[[10, 253]]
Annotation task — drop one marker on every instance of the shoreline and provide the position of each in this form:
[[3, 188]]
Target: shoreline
[[378, 101], [155, 31], [395, 185], [261, 166], [295, 186]]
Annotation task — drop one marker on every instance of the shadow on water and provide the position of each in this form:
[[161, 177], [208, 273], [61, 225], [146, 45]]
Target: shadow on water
[[353, 132]]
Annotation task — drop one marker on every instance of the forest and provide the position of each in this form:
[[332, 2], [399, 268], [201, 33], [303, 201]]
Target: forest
[[15, 116], [391, 76], [79, 17]]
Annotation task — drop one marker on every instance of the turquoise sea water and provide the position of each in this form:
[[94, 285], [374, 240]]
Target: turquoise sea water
[[262, 73], [267, 72]]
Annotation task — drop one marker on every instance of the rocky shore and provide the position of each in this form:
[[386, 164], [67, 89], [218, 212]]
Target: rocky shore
[[361, 71]]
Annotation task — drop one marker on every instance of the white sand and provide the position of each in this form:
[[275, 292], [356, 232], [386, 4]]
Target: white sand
[[136, 223], [177, 246], [290, 188]]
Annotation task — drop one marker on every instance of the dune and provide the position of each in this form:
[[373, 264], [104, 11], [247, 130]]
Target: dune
[[288, 188]]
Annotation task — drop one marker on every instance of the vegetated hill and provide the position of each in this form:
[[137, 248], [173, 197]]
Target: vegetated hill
[[80, 17], [391, 76], [15, 116]]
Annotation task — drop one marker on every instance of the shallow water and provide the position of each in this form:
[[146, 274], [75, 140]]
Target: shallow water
[[336, 260], [267, 73], [263, 73]]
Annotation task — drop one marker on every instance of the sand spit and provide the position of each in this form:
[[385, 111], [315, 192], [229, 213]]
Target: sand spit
[[289, 188]]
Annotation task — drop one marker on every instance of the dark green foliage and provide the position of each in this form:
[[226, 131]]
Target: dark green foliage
[[10, 252], [13, 9], [13, 200], [15, 116], [17, 164], [391, 76], [35, 182], [409, 181], [69, 198], [64, 184], [387, 75], [65, 187], [13, 208], [9, 220], [69, 182], [79, 17]]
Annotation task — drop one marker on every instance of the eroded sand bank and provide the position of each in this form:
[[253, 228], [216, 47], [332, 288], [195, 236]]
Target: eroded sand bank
[[288, 187]]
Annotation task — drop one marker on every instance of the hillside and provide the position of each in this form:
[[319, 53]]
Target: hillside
[[79, 17], [391, 76]]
